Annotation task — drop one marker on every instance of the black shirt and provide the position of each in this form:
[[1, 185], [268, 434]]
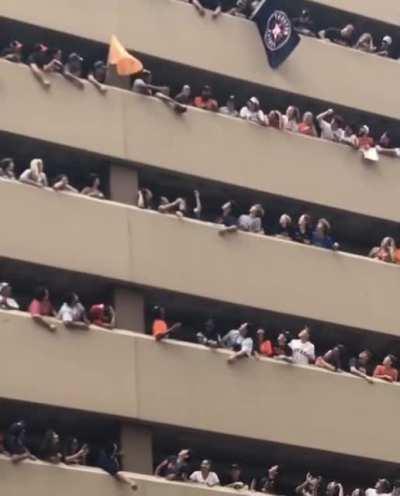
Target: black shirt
[[333, 358], [227, 220], [228, 479], [355, 362], [303, 237], [14, 440], [38, 58], [288, 233], [178, 470], [267, 485], [108, 463]]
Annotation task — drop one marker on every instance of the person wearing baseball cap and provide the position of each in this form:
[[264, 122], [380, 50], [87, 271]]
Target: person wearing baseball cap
[[385, 46], [73, 70], [253, 113]]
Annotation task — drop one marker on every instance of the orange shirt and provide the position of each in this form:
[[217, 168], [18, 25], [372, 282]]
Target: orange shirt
[[390, 371], [209, 104], [159, 327], [266, 348]]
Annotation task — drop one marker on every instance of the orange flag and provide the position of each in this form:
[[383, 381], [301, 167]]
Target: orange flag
[[126, 63]]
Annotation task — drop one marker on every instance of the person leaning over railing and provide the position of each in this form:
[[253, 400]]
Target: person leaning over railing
[[332, 360], [239, 341], [143, 84], [107, 460], [41, 309], [73, 314]]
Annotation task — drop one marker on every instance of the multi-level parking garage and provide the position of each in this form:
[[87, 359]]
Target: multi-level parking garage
[[159, 397]]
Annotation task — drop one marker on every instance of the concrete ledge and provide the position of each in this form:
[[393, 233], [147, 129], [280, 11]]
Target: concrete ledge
[[134, 388]]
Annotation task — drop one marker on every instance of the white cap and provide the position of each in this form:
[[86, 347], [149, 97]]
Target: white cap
[[255, 100], [365, 128], [387, 39]]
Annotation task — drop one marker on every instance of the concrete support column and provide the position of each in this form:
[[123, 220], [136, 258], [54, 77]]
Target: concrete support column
[[124, 184], [137, 447], [129, 309]]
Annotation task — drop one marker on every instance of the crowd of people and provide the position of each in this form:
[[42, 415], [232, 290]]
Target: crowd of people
[[244, 342], [305, 231], [20, 443], [36, 176], [179, 468], [44, 60], [14, 443], [304, 24], [72, 314], [248, 341], [328, 125]]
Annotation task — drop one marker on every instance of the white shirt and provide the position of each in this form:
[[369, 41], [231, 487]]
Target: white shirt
[[71, 314], [8, 303], [289, 125], [27, 174], [235, 338], [249, 115], [328, 133], [211, 480], [372, 492], [303, 353], [250, 224]]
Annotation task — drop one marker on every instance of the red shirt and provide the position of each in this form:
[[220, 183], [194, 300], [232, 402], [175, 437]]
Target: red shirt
[[365, 142], [306, 129], [44, 308], [209, 104], [96, 315], [390, 371]]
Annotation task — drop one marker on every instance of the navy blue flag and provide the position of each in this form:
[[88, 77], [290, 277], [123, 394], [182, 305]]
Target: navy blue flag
[[276, 29]]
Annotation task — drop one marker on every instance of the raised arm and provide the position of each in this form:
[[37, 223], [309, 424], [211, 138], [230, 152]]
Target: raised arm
[[323, 115], [198, 207]]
